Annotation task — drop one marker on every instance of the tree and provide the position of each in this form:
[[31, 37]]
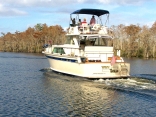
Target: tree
[[132, 32], [153, 39]]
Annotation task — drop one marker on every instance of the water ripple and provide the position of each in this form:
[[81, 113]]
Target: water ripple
[[29, 88]]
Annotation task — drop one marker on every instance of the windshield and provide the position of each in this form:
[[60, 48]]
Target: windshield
[[69, 39], [100, 42], [103, 42], [95, 41]]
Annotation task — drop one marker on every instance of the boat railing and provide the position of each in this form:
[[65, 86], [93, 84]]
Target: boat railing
[[87, 29]]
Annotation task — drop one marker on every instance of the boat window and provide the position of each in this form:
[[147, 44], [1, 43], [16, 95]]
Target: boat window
[[69, 40], [58, 50], [100, 42], [89, 43], [82, 39], [108, 41]]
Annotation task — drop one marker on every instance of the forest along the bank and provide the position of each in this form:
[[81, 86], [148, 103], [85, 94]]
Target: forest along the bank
[[132, 40], [33, 39]]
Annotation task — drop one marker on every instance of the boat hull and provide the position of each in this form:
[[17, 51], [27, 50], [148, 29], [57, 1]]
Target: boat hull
[[90, 69]]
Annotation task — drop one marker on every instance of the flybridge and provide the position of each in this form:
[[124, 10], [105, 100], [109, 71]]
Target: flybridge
[[95, 25]]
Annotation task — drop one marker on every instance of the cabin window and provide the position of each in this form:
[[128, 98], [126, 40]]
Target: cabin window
[[69, 40], [58, 50], [100, 42], [87, 41]]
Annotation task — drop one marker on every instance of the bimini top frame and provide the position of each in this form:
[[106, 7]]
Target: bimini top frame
[[96, 12]]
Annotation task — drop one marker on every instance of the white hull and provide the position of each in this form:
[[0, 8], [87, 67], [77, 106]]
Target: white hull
[[90, 69]]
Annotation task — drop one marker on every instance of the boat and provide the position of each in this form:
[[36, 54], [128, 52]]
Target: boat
[[88, 51]]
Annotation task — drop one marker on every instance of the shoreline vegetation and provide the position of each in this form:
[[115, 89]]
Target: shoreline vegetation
[[133, 40], [33, 39]]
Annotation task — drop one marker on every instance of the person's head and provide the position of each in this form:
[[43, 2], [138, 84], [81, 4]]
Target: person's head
[[93, 16], [80, 20], [84, 19]]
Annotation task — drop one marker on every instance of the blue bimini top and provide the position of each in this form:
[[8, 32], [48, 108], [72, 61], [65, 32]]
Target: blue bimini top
[[97, 12]]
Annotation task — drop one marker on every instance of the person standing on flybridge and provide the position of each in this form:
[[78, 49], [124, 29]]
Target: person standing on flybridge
[[84, 22], [92, 21], [113, 60]]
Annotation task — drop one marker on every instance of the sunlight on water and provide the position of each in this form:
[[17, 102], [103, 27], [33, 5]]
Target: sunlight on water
[[112, 94]]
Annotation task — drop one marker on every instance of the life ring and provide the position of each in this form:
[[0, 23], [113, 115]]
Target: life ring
[[96, 26]]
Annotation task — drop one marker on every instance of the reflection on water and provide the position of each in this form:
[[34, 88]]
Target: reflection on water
[[142, 66], [104, 97], [30, 88], [82, 97]]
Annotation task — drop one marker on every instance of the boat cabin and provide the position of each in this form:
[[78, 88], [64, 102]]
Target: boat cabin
[[88, 40]]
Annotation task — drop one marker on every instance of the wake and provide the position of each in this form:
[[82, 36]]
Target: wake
[[140, 85]]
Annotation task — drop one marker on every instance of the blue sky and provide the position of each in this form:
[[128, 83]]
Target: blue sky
[[18, 15]]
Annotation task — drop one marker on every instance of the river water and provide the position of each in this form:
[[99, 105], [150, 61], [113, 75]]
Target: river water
[[28, 88]]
